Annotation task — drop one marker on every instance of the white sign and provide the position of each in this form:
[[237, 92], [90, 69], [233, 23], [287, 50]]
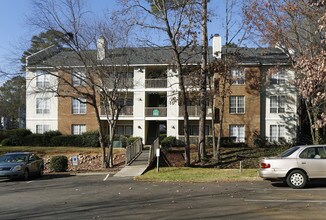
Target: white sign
[[158, 152], [74, 160]]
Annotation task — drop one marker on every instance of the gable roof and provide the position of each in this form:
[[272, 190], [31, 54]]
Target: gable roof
[[154, 56]]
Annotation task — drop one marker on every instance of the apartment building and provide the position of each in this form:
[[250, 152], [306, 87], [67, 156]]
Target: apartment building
[[152, 105], [260, 97]]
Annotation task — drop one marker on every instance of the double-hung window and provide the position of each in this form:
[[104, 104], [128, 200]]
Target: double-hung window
[[237, 77], [278, 78], [237, 131], [78, 78], [277, 104], [78, 129], [42, 79], [237, 104], [42, 105], [40, 129], [78, 106], [277, 132]]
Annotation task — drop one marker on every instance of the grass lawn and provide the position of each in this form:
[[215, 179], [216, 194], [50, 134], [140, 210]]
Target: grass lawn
[[183, 174]]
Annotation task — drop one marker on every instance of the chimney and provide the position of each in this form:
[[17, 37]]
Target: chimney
[[101, 48], [217, 46]]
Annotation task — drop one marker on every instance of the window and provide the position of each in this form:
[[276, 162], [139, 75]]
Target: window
[[313, 153], [194, 130], [125, 130], [78, 129], [78, 106], [42, 105], [237, 104], [277, 104], [42, 79], [237, 131], [237, 77], [278, 78], [277, 133], [78, 78], [40, 129]]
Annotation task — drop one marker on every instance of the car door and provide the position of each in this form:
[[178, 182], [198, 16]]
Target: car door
[[313, 161], [33, 167]]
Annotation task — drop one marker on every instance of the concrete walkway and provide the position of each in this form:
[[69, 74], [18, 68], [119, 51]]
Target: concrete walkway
[[136, 168]]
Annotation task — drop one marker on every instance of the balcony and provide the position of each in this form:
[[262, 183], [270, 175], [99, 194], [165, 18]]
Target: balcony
[[194, 111], [125, 111], [155, 112], [156, 83]]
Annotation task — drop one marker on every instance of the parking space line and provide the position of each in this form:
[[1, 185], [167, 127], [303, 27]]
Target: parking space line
[[107, 176], [285, 200]]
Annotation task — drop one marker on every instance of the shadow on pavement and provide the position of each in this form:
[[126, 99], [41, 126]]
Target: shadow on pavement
[[312, 184]]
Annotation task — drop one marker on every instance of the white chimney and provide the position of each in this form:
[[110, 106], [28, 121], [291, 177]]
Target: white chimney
[[101, 48], [217, 46]]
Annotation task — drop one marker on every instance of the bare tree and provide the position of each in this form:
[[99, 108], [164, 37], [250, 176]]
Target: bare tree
[[293, 26], [178, 22], [80, 36]]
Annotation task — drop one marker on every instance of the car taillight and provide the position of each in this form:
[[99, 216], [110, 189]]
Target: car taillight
[[265, 165]]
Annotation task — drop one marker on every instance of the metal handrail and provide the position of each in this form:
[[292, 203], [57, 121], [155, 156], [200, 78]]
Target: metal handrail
[[133, 150], [152, 151]]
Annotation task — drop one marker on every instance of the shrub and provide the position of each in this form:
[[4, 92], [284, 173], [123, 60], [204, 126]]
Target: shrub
[[132, 140], [3, 135], [162, 136], [6, 142], [34, 140], [65, 140], [90, 139], [20, 132], [59, 163], [168, 142]]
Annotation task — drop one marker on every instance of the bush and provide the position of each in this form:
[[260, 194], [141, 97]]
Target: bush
[[34, 140], [59, 163], [20, 132], [162, 136], [6, 142], [168, 142], [67, 140], [3, 135], [90, 139], [132, 140]]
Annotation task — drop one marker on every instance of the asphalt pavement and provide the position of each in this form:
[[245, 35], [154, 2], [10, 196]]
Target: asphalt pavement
[[102, 196]]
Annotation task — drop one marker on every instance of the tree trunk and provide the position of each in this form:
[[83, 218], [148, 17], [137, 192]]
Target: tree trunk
[[203, 84]]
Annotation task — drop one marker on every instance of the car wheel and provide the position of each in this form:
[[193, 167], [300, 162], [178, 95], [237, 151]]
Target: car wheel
[[297, 179], [26, 175], [41, 172]]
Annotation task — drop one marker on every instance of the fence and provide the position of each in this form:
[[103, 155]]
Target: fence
[[152, 151], [133, 150]]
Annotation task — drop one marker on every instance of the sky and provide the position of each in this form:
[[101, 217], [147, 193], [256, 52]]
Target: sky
[[15, 34]]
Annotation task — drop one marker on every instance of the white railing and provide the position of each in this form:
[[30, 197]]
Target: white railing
[[133, 150], [152, 151], [156, 83], [155, 111], [127, 110], [194, 111]]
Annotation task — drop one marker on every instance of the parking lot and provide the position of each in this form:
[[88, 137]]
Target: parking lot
[[102, 197]]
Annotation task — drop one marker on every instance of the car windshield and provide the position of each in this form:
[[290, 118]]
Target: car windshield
[[15, 158], [288, 152]]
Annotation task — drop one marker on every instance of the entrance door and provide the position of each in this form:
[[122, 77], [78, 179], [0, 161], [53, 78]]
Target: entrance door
[[154, 129]]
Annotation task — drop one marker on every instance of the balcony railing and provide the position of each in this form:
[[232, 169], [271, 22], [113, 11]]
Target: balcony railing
[[155, 111], [194, 111], [127, 110], [156, 83]]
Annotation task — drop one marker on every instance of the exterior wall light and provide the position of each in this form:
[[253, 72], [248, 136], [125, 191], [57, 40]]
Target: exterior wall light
[[139, 127]]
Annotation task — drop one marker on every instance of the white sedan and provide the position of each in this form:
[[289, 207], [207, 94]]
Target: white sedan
[[296, 166]]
